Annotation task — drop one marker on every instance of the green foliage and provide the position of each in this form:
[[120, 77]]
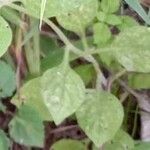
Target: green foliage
[[69, 65], [67, 144], [7, 80], [142, 146], [63, 92], [130, 50], [53, 7], [27, 127], [30, 95], [102, 34], [6, 36], [139, 81], [80, 18], [95, 116], [11, 15], [4, 141], [121, 141], [127, 22], [110, 6], [86, 72]]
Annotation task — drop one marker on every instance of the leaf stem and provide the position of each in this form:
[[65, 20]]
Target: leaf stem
[[114, 78]]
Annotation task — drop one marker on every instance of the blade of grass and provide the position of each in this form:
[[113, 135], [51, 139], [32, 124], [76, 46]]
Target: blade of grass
[[135, 4]]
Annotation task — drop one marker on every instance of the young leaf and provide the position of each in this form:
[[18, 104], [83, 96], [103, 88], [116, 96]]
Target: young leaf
[[4, 141], [80, 18], [102, 34], [110, 6], [127, 22], [63, 92], [27, 127], [7, 80], [100, 116], [101, 16], [6, 36], [30, 94], [130, 49], [68, 144], [113, 19]]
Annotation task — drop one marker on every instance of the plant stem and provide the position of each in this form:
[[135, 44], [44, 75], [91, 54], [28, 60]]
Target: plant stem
[[100, 78], [114, 78], [135, 122], [18, 50]]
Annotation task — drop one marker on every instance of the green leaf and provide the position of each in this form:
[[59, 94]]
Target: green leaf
[[113, 19], [53, 59], [6, 36], [47, 44], [142, 146], [101, 16], [102, 34], [11, 16], [7, 80], [27, 128], [130, 49], [139, 81], [121, 141], [30, 94], [53, 7], [100, 116], [110, 6], [63, 92], [80, 18], [4, 141], [86, 72], [68, 144], [127, 22]]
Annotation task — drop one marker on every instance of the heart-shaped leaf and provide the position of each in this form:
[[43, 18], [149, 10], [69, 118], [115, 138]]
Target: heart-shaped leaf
[[63, 92], [100, 116], [132, 49]]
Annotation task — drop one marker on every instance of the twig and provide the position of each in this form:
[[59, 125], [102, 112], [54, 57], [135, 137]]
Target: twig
[[62, 129]]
